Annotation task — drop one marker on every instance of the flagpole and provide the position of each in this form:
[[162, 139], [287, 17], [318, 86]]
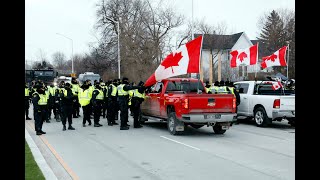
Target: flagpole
[[200, 64], [288, 63], [256, 67]]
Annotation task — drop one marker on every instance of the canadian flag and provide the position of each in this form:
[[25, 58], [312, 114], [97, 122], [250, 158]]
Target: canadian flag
[[244, 57], [184, 60], [276, 85], [276, 59]]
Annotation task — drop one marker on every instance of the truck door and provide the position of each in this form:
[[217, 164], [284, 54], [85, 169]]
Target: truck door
[[155, 99], [243, 107]]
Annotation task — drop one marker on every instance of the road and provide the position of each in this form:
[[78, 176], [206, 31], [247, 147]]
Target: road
[[244, 152]]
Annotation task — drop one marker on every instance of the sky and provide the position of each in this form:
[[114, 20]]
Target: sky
[[75, 19]]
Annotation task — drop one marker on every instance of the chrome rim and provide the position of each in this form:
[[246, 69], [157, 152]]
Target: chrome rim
[[259, 117], [171, 124]]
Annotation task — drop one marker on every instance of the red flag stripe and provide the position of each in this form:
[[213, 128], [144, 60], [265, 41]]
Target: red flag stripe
[[282, 56], [194, 48], [253, 54], [151, 81], [233, 61]]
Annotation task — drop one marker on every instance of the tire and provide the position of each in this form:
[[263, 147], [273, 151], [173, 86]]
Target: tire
[[260, 117], [172, 124], [218, 129], [196, 126]]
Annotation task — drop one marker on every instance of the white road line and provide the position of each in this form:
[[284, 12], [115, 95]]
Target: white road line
[[180, 143]]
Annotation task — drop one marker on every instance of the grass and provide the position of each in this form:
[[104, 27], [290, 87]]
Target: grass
[[32, 170]]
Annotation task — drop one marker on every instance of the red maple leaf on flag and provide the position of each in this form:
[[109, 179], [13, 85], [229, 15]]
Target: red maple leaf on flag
[[271, 57], [242, 56], [171, 60]]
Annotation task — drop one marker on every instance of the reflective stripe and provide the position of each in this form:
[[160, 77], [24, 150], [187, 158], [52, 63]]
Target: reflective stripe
[[122, 92], [47, 94], [232, 90], [100, 95], [26, 92], [222, 90]]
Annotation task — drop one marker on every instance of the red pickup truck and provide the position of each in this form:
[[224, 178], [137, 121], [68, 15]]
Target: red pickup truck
[[184, 101]]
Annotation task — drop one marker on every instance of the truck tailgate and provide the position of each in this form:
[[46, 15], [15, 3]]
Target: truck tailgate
[[287, 103], [211, 103]]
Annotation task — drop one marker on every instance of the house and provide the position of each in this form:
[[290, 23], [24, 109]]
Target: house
[[221, 45]]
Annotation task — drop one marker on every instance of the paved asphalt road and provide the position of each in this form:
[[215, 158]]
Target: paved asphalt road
[[244, 152]]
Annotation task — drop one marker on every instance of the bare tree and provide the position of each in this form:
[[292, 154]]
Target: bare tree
[[144, 31], [59, 60]]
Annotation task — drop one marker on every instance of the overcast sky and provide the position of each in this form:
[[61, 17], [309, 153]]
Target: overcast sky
[[75, 19]]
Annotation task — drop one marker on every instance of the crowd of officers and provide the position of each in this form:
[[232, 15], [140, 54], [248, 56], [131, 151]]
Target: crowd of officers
[[100, 99]]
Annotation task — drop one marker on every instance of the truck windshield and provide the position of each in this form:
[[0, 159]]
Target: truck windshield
[[184, 86]]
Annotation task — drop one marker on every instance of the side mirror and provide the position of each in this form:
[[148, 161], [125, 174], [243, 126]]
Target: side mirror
[[241, 90]]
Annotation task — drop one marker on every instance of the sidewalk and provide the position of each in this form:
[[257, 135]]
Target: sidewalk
[[42, 163]]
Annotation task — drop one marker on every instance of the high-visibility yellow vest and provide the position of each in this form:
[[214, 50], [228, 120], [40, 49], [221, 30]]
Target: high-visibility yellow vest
[[100, 96], [52, 90], [130, 96], [137, 94], [84, 97], [208, 89], [43, 99], [91, 89], [114, 90], [75, 89], [47, 93], [232, 90], [222, 90], [26, 91], [122, 92]]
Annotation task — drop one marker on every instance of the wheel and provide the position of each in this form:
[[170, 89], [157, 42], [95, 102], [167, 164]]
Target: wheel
[[196, 126], [172, 124], [218, 129], [261, 118]]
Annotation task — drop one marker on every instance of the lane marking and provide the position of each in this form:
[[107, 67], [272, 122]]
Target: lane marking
[[58, 157], [180, 143]]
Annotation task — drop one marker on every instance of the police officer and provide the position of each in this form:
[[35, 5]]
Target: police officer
[[75, 90], [97, 101], [123, 97], [216, 87], [52, 92], [104, 87], [27, 97], [39, 101], [46, 90], [137, 99], [84, 99], [67, 106], [208, 87], [112, 100], [130, 100]]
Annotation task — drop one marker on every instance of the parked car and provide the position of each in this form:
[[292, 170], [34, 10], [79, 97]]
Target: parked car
[[260, 101]]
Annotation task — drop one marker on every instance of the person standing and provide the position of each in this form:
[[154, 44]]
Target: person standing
[[84, 100], [123, 96], [39, 101], [67, 106], [112, 100], [27, 97], [137, 99], [97, 102], [75, 90]]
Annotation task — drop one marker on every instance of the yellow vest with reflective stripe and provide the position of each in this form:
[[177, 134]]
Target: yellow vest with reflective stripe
[[130, 96], [43, 99], [122, 92], [84, 97], [114, 90], [232, 90], [137, 94], [26, 91], [100, 96], [47, 93], [91, 89], [52, 90], [75, 89]]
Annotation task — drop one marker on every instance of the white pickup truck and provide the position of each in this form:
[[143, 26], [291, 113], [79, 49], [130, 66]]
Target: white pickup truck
[[260, 101]]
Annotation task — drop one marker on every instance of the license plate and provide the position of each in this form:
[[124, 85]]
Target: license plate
[[215, 116]]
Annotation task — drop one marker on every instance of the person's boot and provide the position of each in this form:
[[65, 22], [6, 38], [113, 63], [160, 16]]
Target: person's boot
[[28, 118], [89, 123], [110, 124], [83, 125], [64, 128], [47, 121], [38, 133], [114, 123], [71, 128], [138, 126], [96, 125], [42, 132], [124, 128]]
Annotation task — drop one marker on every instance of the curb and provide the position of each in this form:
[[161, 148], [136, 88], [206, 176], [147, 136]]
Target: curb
[[42, 163]]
